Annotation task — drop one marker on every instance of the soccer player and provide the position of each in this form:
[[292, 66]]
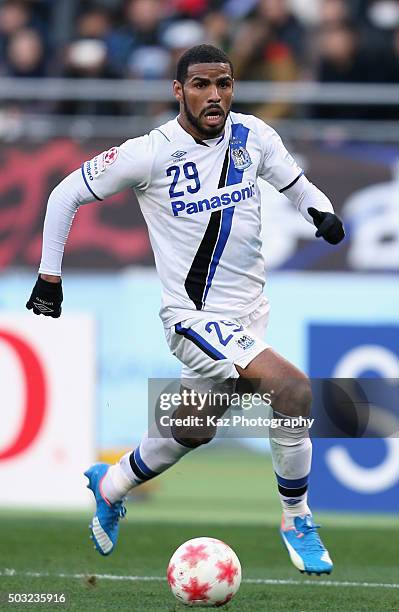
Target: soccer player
[[195, 178]]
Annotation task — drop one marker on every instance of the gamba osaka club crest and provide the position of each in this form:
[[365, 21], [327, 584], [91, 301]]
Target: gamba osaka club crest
[[245, 342], [240, 156]]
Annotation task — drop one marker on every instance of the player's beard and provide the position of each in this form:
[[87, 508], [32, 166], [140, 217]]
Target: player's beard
[[195, 122]]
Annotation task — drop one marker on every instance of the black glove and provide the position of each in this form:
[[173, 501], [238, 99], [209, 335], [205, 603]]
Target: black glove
[[329, 226], [46, 298]]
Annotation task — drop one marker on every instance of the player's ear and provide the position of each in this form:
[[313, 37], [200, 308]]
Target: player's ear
[[178, 90]]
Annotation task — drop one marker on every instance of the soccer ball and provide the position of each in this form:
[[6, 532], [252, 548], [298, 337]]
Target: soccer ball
[[204, 572]]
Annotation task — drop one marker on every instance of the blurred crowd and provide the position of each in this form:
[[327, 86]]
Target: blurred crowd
[[350, 41]]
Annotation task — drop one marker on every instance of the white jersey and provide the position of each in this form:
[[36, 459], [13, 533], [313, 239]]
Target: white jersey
[[202, 206]]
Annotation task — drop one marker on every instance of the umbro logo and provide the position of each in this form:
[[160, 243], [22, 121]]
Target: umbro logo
[[178, 154], [42, 307]]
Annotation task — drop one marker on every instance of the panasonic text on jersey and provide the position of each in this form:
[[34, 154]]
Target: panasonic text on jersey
[[214, 202]]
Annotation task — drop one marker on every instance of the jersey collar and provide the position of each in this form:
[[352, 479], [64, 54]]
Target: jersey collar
[[186, 137]]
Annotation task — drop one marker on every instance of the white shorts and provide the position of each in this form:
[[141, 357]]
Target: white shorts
[[210, 348]]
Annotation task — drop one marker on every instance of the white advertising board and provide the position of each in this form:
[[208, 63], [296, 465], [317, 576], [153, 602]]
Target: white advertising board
[[47, 388]]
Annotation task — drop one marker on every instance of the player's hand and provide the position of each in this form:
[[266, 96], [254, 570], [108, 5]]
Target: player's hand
[[329, 226], [46, 298]]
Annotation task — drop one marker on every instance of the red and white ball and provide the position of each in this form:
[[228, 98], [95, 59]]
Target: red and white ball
[[204, 572]]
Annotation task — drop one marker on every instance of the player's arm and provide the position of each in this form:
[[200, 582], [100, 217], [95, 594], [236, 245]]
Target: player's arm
[[316, 208], [280, 169], [110, 172]]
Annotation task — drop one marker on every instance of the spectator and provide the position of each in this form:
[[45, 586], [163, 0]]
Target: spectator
[[13, 17], [25, 57], [342, 60], [96, 22], [87, 59], [261, 51], [217, 27], [140, 39], [181, 35], [284, 25], [25, 54], [334, 11]]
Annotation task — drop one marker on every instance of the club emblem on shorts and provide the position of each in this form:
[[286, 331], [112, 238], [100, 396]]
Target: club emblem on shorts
[[241, 157], [245, 342]]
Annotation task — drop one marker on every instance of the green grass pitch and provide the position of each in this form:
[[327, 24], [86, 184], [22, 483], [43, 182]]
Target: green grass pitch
[[205, 495]]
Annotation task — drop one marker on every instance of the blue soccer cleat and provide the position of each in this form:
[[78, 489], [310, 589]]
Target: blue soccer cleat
[[304, 546], [105, 524]]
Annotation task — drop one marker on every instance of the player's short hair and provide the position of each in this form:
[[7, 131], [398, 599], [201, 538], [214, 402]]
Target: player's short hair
[[201, 54]]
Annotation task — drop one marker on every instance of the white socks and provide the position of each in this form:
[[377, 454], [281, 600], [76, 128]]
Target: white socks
[[152, 457], [115, 484], [292, 461]]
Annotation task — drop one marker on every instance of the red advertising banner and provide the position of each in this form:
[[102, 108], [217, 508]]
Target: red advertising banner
[[112, 234]]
